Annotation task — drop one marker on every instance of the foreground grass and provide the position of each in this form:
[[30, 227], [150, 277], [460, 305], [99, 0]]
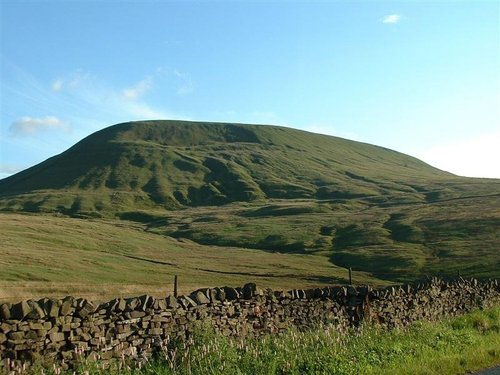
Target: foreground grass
[[454, 346]]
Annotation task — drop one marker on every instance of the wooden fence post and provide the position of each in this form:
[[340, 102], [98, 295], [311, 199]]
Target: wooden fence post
[[350, 276], [175, 286]]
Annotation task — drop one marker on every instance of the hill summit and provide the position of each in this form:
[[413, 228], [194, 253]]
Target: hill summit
[[175, 164]]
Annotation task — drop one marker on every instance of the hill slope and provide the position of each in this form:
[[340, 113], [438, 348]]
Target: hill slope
[[101, 260], [275, 189], [174, 164]]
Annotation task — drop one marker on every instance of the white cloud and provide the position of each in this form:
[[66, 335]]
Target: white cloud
[[139, 89], [391, 18], [57, 85], [186, 86], [80, 77], [472, 157], [27, 126]]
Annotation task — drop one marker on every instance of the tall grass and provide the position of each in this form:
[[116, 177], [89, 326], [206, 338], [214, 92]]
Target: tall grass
[[453, 346]]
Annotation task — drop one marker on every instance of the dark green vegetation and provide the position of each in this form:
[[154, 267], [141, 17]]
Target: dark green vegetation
[[455, 346], [274, 189]]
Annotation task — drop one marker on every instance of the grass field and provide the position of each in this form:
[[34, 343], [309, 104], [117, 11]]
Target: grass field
[[102, 259], [393, 242], [281, 245]]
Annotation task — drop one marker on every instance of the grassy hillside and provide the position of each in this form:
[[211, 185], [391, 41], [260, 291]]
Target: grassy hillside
[[394, 242], [176, 164], [101, 259], [260, 190]]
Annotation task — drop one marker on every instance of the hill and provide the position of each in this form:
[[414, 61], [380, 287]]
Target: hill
[[274, 189], [177, 164]]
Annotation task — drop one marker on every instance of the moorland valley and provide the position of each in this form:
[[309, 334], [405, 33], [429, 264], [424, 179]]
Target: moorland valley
[[128, 207]]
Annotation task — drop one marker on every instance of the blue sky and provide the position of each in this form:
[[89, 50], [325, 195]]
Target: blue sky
[[422, 78]]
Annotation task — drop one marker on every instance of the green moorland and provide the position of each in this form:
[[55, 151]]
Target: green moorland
[[101, 259], [450, 347], [136, 203]]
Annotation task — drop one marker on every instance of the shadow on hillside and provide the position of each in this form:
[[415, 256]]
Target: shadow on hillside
[[312, 278]]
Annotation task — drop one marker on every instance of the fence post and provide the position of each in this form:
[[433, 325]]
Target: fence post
[[350, 276], [458, 274], [175, 286]]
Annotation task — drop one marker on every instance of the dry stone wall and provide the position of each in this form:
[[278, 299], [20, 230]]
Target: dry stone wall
[[70, 329]]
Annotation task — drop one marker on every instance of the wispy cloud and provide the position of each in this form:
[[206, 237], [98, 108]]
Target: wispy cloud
[[26, 126], [78, 78], [57, 85], [391, 18], [83, 100], [71, 81], [109, 104], [186, 86], [139, 89], [41, 119]]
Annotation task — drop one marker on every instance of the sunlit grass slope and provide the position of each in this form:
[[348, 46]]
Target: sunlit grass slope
[[229, 187], [98, 259], [398, 243], [173, 164]]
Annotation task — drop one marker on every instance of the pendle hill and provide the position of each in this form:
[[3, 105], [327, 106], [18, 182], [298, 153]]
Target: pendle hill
[[258, 189]]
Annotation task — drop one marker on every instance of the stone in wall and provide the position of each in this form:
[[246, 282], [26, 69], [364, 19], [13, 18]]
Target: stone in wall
[[72, 328]]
